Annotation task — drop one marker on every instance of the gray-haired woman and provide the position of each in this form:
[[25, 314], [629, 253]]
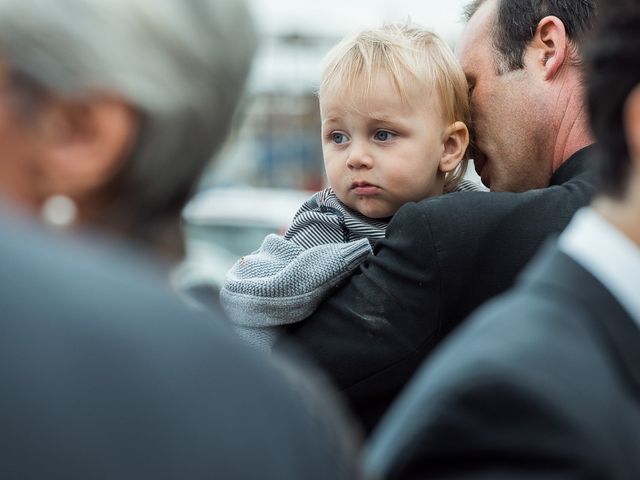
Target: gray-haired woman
[[109, 110]]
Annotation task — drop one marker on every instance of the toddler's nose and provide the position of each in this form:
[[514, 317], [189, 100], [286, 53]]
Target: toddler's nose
[[359, 156]]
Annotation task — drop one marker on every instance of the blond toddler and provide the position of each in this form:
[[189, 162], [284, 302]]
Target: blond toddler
[[394, 111]]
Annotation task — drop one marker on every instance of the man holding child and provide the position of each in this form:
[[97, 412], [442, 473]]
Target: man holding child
[[444, 256]]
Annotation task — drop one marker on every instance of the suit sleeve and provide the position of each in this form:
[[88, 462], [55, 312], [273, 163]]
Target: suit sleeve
[[370, 334], [495, 428]]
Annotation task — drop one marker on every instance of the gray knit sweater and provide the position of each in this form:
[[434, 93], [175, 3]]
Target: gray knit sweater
[[285, 280]]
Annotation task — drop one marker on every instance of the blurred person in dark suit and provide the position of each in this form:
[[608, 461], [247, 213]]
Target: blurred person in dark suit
[[445, 256], [544, 382], [105, 374], [108, 113]]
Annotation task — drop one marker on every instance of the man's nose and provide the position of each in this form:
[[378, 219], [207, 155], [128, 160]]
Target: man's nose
[[359, 156]]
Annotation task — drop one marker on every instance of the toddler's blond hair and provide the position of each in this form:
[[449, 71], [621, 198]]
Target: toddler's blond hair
[[408, 53]]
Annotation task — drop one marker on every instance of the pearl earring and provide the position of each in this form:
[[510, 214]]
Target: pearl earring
[[59, 211]]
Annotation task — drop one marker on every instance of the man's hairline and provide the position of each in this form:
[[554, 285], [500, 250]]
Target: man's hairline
[[497, 57], [472, 8]]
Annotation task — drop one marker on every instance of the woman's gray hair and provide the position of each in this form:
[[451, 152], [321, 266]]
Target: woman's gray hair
[[181, 64]]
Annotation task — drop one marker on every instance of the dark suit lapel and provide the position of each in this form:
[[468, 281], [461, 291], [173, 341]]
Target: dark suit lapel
[[610, 321]]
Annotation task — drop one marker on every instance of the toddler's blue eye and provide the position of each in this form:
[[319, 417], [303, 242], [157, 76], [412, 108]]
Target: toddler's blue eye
[[383, 135], [338, 138]]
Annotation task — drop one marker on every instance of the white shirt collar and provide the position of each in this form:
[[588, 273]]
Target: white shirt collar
[[607, 254]]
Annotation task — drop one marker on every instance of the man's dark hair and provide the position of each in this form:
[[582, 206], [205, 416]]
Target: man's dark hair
[[613, 71], [517, 21]]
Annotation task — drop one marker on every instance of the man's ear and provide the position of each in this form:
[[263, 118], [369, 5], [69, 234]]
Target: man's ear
[[83, 144], [632, 126], [626, 213], [550, 46], [455, 143]]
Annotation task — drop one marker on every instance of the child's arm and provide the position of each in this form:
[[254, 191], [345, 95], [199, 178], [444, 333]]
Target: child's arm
[[283, 283], [285, 280]]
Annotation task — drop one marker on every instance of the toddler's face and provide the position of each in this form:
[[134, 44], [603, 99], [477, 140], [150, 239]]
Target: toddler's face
[[382, 152]]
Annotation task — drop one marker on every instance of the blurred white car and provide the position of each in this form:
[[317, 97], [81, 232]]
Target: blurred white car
[[221, 225]]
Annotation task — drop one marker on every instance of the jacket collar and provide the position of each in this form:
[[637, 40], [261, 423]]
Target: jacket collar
[[578, 163], [609, 320]]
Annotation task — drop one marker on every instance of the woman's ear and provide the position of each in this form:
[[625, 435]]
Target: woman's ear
[[83, 144], [455, 143]]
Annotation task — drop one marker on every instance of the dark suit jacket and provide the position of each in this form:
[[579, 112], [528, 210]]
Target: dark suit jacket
[[104, 374], [542, 383], [442, 258]]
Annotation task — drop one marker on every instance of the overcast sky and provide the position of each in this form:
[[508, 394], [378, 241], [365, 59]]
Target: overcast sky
[[338, 17], [292, 68]]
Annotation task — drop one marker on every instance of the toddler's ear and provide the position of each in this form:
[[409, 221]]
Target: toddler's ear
[[454, 146]]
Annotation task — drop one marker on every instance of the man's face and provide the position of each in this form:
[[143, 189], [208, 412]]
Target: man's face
[[505, 112]]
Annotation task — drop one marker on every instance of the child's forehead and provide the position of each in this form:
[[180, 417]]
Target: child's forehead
[[377, 95]]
